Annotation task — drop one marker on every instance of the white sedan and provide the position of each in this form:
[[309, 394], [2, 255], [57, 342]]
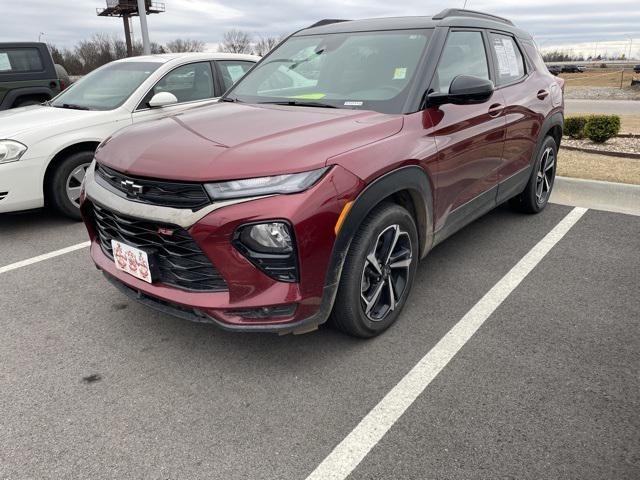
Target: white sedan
[[45, 149]]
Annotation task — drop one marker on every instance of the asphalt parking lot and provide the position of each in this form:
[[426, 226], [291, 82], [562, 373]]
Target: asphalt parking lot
[[95, 386]]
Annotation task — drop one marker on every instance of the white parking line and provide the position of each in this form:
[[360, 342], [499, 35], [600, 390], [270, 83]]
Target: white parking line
[[346, 456], [45, 256]]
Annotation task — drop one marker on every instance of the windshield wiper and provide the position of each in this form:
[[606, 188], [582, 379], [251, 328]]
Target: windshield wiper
[[73, 106], [297, 103], [230, 100]]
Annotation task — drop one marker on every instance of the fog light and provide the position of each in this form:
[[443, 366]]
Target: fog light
[[270, 246], [271, 237]]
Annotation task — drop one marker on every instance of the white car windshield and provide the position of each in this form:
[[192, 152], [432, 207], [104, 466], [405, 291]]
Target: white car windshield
[[107, 87]]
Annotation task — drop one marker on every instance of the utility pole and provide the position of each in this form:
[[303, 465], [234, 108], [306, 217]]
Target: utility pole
[[127, 34], [142, 12]]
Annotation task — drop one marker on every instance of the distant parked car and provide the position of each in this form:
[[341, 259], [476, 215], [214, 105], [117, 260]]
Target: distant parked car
[[636, 69], [63, 76], [572, 69], [45, 149], [555, 69], [28, 75]]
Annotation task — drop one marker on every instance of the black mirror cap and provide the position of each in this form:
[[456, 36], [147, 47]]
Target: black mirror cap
[[464, 90], [467, 90]]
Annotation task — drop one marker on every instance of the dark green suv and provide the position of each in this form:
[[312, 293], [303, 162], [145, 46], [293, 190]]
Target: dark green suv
[[27, 75]]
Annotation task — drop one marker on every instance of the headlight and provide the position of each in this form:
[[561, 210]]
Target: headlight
[[252, 187], [11, 151]]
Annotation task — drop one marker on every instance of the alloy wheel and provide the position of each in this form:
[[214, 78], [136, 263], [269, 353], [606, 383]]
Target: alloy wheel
[[73, 185], [545, 176], [385, 275]]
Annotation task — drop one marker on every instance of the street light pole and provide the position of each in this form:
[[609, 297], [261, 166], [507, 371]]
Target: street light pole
[[142, 12]]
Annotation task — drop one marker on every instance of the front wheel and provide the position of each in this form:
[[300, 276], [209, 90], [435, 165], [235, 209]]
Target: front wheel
[[538, 190], [378, 273], [66, 183]]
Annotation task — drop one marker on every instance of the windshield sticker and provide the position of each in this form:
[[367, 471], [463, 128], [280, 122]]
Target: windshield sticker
[[400, 73], [5, 64], [353, 104], [310, 96]]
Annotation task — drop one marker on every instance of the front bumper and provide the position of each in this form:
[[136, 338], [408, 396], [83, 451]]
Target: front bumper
[[21, 184], [313, 215]]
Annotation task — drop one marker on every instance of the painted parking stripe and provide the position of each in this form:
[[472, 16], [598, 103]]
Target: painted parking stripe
[[346, 456], [45, 256]]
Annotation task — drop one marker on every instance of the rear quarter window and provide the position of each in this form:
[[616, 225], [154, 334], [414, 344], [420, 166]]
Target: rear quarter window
[[510, 66], [21, 60]]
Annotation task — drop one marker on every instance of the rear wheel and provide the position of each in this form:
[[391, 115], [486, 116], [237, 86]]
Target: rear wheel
[[378, 273], [538, 190], [66, 183]]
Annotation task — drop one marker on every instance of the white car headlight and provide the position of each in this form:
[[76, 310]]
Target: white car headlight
[[11, 151], [253, 187]]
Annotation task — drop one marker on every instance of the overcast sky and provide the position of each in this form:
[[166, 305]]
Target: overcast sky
[[572, 23]]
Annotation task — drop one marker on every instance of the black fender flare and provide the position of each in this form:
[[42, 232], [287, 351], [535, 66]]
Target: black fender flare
[[16, 93], [412, 179]]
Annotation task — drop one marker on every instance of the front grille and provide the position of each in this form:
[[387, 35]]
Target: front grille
[[155, 192], [180, 261]]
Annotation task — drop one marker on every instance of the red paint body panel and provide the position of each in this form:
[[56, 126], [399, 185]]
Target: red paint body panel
[[228, 141]]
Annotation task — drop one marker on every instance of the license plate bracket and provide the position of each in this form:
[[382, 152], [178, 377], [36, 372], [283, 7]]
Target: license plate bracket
[[135, 261]]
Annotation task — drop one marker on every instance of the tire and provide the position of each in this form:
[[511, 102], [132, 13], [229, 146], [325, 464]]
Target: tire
[[536, 194], [358, 281], [68, 175]]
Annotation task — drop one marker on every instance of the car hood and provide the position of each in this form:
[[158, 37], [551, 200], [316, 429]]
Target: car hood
[[20, 123], [231, 140]]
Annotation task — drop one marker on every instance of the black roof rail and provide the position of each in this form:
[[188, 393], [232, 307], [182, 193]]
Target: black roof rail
[[327, 21], [459, 12]]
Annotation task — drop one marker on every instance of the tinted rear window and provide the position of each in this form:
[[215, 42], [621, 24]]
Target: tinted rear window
[[20, 60]]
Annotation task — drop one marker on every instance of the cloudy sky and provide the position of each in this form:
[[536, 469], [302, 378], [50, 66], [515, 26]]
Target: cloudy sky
[[576, 24]]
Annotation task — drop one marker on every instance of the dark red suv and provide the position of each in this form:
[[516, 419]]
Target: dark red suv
[[313, 188]]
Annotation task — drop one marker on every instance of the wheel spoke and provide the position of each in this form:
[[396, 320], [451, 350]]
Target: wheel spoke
[[392, 295], [550, 165], [78, 174], [396, 235], [373, 261], [546, 184], [374, 298], [539, 188], [74, 193]]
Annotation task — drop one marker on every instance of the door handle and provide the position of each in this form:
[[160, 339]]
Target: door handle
[[495, 110], [542, 94]]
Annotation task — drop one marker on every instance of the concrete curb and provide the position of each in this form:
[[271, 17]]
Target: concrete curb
[[608, 196], [632, 156]]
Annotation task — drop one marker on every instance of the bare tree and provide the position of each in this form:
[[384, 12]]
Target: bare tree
[[236, 41], [265, 44], [185, 45]]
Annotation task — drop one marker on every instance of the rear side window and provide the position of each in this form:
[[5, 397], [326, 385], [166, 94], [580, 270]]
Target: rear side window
[[509, 61], [463, 54], [20, 60], [232, 71]]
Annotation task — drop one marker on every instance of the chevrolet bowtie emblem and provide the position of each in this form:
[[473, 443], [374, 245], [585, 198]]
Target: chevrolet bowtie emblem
[[131, 188]]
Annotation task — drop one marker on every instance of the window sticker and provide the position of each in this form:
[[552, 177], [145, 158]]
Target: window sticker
[[501, 54], [353, 104], [5, 64], [400, 73], [235, 71], [512, 59]]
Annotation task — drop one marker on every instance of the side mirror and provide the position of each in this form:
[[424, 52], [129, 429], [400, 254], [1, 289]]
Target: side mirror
[[162, 99], [464, 90]]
